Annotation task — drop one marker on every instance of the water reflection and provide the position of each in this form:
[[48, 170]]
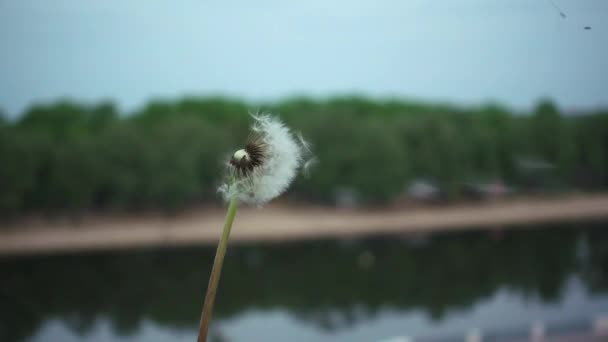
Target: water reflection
[[331, 286]]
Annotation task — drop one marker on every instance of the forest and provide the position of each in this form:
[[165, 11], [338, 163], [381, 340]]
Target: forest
[[70, 157]]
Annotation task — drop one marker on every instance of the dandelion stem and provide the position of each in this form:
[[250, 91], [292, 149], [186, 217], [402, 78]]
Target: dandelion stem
[[216, 271]]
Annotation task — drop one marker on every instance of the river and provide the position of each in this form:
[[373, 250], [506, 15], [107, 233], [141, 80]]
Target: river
[[439, 285]]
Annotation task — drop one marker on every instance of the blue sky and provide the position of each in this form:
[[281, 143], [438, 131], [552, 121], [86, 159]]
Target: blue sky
[[467, 52]]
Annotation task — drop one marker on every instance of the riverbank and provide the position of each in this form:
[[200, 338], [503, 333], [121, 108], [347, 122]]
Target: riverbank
[[277, 223]]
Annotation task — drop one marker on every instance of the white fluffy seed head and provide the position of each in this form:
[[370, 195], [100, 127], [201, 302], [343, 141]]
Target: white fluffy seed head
[[273, 158]]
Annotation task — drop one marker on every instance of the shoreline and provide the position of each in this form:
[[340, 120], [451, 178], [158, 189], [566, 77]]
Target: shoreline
[[277, 223]]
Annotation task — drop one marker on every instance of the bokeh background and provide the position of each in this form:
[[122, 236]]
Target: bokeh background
[[118, 110]]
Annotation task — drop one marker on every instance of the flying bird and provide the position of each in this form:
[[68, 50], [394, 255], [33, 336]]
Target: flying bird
[[561, 13]]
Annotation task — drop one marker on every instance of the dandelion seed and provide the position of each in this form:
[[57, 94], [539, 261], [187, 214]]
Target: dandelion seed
[[309, 165]]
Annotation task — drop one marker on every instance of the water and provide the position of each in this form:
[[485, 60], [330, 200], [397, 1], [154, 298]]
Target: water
[[348, 290]]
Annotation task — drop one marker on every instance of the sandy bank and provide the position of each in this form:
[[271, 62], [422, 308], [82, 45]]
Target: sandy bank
[[279, 223]]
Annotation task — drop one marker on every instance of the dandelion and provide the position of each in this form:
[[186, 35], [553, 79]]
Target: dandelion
[[256, 174], [267, 165]]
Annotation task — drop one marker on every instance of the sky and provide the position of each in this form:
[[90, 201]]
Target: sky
[[460, 51]]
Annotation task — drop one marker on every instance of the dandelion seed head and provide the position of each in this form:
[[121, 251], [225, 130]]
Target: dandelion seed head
[[267, 165]]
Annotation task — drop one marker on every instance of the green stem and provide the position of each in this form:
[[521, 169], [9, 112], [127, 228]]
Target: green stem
[[216, 271]]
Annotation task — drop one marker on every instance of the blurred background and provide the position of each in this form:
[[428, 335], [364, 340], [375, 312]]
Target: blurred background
[[116, 116]]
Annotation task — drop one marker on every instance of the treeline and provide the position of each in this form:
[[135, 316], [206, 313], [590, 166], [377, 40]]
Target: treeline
[[71, 157]]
